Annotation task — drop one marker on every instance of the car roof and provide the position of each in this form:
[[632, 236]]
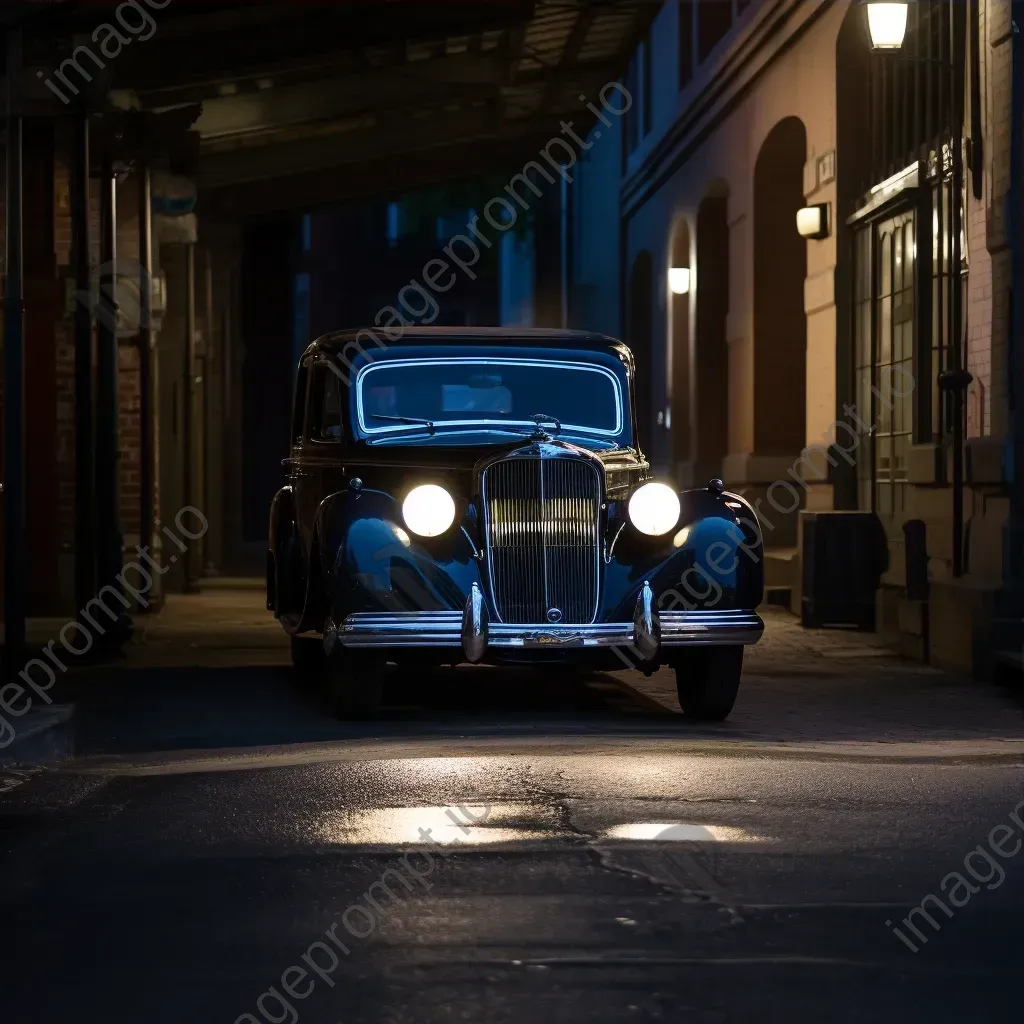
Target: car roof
[[533, 337]]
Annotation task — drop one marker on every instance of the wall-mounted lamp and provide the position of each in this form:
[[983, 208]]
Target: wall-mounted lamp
[[679, 280], [887, 25], [813, 221]]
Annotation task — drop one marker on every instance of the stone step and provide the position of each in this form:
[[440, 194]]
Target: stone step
[[781, 566]]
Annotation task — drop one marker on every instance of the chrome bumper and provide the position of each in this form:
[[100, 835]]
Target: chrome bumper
[[650, 630]]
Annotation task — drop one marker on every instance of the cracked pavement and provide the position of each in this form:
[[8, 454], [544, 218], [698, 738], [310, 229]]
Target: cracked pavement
[[216, 825]]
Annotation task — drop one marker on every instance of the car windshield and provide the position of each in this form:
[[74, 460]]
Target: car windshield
[[474, 394]]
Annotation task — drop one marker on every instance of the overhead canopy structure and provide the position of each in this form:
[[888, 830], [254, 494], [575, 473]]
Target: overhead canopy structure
[[314, 102]]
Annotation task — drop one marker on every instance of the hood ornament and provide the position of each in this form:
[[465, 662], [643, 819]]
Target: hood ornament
[[539, 433]]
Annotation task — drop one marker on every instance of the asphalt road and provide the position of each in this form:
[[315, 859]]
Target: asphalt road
[[526, 850]]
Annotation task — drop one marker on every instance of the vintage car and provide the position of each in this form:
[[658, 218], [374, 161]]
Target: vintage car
[[478, 495]]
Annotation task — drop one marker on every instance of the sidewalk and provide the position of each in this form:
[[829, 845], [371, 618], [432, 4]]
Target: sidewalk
[[846, 686], [227, 623]]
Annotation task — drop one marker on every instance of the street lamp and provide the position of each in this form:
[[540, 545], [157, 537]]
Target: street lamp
[[679, 280], [887, 24]]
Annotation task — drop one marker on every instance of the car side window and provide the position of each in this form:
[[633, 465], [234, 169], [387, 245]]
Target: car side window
[[299, 406], [325, 398]]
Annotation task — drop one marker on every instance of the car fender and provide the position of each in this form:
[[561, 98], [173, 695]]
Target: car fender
[[372, 562], [713, 558]]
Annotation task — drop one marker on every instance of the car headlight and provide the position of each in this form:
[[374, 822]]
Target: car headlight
[[654, 509], [428, 510]]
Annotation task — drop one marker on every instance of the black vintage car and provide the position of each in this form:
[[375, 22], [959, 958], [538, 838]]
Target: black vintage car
[[478, 495]]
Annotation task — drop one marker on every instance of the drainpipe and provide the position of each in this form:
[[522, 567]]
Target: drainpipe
[[146, 450], [109, 541], [191, 584], [1014, 542], [85, 485], [14, 376], [564, 215], [956, 379]]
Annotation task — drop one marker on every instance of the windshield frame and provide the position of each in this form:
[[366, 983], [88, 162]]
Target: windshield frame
[[478, 425]]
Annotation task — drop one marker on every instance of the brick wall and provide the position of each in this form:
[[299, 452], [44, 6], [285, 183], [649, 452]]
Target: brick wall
[[64, 375]]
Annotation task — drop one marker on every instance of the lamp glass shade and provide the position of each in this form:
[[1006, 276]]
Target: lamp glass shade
[[679, 280], [810, 221], [887, 24]]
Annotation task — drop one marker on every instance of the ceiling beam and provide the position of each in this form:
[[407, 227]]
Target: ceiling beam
[[244, 153], [375, 178], [394, 137], [419, 82]]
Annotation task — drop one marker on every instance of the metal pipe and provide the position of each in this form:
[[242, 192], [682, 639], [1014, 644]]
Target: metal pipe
[[15, 578], [109, 542], [85, 482], [146, 453], [977, 173], [563, 231], [207, 377], [959, 379], [191, 584], [1014, 544]]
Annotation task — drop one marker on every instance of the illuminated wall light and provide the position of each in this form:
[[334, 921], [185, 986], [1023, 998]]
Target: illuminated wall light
[[813, 221], [679, 280], [887, 24]]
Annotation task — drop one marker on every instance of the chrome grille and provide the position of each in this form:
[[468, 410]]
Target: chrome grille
[[542, 519]]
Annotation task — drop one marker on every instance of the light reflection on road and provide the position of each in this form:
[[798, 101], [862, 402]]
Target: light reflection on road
[[474, 825], [513, 822], [679, 832]]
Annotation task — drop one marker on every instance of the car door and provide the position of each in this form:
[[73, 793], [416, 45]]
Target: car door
[[321, 471]]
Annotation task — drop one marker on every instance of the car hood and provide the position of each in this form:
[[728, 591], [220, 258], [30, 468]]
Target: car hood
[[425, 455]]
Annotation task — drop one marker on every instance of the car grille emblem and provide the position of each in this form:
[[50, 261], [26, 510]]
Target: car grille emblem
[[554, 615]]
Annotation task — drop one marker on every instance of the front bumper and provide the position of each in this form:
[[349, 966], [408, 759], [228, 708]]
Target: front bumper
[[650, 630]]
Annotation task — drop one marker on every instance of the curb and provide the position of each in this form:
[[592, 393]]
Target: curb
[[41, 736]]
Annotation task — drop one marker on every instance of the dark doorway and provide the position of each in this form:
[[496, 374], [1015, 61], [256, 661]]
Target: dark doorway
[[267, 372], [780, 269], [640, 340]]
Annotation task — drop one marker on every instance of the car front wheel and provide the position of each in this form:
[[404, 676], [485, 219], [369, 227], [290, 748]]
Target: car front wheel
[[355, 684], [707, 681]]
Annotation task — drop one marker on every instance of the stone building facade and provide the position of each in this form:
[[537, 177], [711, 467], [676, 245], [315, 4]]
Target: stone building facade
[[769, 369]]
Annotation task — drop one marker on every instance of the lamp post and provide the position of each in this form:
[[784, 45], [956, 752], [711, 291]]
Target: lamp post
[[887, 26]]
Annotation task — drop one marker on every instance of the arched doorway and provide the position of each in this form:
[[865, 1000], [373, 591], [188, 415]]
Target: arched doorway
[[640, 340], [780, 269], [709, 283], [679, 348]]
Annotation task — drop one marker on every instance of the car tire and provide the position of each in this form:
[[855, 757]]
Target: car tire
[[355, 685], [308, 658], [707, 681]]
